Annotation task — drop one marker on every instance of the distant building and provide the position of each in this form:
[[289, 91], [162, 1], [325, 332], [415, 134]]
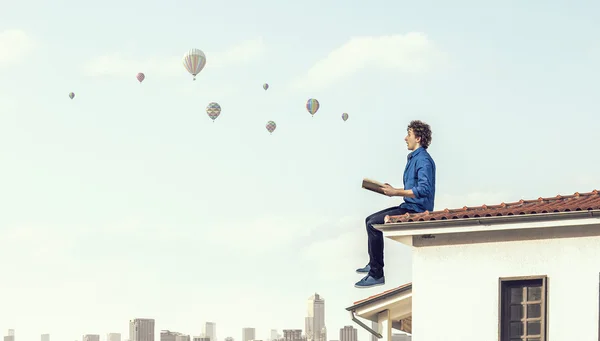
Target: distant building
[[348, 333], [113, 337], [292, 335], [141, 330], [274, 335], [248, 334], [315, 320], [10, 336], [91, 337], [201, 338], [167, 335], [209, 330], [45, 337]]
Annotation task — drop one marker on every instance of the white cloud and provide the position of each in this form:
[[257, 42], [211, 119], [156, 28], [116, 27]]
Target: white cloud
[[410, 53], [116, 64], [240, 54], [14, 44]]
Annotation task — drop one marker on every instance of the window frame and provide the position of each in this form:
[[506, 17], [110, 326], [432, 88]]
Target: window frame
[[504, 285]]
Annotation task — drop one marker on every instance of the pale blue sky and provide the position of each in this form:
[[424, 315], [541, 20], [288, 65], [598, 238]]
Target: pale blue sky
[[129, 202]]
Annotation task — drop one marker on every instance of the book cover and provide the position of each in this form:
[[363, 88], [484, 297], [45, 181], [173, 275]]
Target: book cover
[[373, 185]]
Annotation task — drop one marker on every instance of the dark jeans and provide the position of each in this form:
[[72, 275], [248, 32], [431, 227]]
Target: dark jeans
[[376, 238]]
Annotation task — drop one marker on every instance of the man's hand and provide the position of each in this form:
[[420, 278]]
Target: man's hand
[[389, 190]]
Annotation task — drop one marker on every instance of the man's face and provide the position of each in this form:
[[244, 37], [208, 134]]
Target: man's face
[[412, 142]]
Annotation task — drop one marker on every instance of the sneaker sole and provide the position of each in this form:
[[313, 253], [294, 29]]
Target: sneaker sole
[[369, 286]]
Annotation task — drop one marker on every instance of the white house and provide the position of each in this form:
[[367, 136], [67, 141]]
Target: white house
[[528, 270]]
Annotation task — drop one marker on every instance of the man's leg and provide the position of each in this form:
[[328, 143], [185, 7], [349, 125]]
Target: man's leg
[[376, 243], [382, 213], [376, 240]]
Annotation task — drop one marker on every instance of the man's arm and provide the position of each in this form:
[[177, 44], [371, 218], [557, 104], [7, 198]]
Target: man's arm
[[424, 179], [397, 192], [404, 193]]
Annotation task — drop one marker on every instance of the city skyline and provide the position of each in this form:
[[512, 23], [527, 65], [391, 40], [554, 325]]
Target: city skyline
[[144, 329], [346, 333]]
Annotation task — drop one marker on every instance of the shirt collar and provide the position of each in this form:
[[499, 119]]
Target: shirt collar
[[415, 152]]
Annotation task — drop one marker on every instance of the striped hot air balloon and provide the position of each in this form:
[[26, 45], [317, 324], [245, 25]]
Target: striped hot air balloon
[[312, 105], [344, 116], [194, 61]]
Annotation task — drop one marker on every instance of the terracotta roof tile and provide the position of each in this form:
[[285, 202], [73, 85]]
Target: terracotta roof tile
[[575, 202], [383, 293]]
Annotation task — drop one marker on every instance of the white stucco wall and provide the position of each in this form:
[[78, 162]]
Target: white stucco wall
[[455, 288]]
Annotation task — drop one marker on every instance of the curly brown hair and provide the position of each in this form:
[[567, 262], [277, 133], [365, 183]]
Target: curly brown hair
[[422, 130]]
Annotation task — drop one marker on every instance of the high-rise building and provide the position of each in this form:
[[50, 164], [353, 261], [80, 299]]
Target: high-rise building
[[113, 337], [209, 330], [315, 320], [348, 333], [141, 330], [200, 338], [229, 338], [273, 335], [182, 338], [45, 337], [248, 334], [91, 337]]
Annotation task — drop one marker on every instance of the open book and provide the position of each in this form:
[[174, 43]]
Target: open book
[[372, 185]]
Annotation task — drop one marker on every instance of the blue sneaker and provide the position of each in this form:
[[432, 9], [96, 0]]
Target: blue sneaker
[[369, 281], [364, 270]]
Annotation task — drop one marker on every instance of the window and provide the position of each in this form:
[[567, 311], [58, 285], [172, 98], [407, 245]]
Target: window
[[523, 308]]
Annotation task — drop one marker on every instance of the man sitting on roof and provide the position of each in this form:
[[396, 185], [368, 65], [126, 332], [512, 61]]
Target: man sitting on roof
[[418, 193]]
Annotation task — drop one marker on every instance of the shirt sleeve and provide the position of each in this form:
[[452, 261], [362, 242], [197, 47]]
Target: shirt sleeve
[[424, 178]]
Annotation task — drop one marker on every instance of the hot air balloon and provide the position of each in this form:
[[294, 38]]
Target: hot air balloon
[[312, 105], [71, 95], [194, 61], [265, 86], [344, 116], [213, 110], [140, 77], [271, 126]]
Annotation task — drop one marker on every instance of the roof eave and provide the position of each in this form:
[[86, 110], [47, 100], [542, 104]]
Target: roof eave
[[472, 221], [387, 295]]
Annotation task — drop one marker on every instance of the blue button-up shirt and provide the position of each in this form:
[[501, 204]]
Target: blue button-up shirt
[[419, 175]]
